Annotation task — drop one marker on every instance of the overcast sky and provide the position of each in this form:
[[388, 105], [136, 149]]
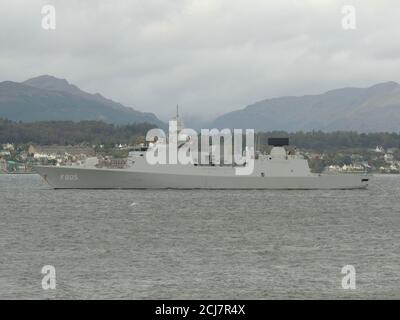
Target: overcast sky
[[209, 56]]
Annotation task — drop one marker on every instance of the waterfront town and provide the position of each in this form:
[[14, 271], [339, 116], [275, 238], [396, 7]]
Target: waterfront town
[[20, 158]]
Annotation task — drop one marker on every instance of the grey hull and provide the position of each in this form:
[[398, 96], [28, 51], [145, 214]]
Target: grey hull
[[81, 178]]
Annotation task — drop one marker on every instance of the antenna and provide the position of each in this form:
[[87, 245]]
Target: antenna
[[177, 111]]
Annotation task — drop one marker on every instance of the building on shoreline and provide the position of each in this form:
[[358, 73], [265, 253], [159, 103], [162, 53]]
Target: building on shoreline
[[59, 154], [38, 151]]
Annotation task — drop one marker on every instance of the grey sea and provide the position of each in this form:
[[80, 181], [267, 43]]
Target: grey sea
[[168, 244]]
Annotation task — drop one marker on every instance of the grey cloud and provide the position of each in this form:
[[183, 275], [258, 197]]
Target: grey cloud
[[210, 56]]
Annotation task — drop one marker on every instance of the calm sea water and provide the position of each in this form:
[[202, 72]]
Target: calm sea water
[[137, 244]]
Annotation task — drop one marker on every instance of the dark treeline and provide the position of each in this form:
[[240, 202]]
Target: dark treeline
[[70, 133], [322, 141], [97, 132]]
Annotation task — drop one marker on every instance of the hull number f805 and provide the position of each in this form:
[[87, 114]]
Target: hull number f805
[[69, 177]]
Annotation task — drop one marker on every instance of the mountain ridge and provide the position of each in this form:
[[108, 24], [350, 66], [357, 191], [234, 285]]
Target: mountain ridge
[[49, 98], [371, 109]]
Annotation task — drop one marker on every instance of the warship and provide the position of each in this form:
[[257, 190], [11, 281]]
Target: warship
[[279, 169]]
